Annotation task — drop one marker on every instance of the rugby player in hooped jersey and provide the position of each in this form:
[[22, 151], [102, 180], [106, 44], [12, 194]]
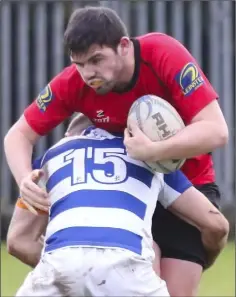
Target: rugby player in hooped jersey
[[99, 225], [109, 72]]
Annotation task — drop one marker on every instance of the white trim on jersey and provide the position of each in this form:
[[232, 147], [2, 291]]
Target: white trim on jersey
[[131, 186], [96, 217]]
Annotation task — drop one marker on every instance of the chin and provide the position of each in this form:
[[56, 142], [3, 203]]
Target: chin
[[119, 89], [102, 91]]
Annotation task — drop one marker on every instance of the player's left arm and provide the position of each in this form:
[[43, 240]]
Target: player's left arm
[[192, 95], [24, 238], [189, 204]]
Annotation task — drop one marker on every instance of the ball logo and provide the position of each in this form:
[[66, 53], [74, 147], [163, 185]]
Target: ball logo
[[189, 79], [161, 125], [136, 106]]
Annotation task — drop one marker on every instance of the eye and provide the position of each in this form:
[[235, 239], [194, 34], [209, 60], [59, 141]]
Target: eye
[[79, 65], [96, 60]]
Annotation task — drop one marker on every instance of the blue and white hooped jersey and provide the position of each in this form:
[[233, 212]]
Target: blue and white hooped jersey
[[100, 197]]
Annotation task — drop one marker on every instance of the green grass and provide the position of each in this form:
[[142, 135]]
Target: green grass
[[13, 273], [217, 281]]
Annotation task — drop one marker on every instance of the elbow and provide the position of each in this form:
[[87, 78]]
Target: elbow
[[9, 139], [215, 235], [224, 138], [223, 228], [220, 229], [6, 139], [12, 243], [222, 135]]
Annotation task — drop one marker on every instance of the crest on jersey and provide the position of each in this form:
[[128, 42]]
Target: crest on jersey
[[44, 98], [189, 79]]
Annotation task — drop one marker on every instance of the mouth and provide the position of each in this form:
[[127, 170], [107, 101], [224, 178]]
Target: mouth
[[96, 83]]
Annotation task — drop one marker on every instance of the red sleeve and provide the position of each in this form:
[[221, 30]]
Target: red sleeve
[[190, 90], [53, 105]]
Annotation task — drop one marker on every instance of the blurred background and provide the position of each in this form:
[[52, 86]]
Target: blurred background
[[32, 52]]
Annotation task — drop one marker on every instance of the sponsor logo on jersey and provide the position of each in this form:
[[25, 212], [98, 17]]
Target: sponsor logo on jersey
[[100, 117], [189, 79], [44, 98]]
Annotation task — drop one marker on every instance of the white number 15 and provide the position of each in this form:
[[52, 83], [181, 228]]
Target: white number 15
[[105, 165]]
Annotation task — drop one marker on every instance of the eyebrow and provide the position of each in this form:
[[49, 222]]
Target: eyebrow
[[91, 58]]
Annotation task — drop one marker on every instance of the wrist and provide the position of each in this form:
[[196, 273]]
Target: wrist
[[156, 150], [24, 174]]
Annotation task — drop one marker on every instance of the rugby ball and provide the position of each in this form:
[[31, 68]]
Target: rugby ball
[[158, 120]]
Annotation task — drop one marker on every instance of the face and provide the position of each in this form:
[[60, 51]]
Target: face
[[101, 67]]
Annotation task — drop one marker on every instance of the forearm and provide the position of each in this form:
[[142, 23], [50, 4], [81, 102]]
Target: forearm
[[27, 251], [16, 144], [196, 139]]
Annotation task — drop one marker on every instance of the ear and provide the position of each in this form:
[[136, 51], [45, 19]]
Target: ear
[[124, 46]]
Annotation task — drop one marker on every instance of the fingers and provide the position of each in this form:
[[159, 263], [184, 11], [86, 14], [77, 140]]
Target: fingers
[[30, 195], [133, 128], [36, 175], [131, 131], [126, 135], [34, 196], [30, 187], [32, 201], [30, 208], [41, 239]]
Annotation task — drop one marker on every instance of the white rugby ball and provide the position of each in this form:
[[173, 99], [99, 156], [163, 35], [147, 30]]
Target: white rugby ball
[[158, 120]]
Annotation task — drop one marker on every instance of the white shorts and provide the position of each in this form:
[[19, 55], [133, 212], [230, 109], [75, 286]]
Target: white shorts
[[81, 271]]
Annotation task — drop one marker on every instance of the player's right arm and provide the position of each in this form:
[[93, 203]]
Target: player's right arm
[[186, 202], [24, 234], [49, 109], [190, 92], [18, 144]]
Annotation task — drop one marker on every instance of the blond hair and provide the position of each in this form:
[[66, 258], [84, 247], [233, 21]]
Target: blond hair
[[77, 125]]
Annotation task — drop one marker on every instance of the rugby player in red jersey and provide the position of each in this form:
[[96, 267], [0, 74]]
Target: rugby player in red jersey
[[109, 72]]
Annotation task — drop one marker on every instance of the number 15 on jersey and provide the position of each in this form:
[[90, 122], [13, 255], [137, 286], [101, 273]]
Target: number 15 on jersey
[[105, 165]]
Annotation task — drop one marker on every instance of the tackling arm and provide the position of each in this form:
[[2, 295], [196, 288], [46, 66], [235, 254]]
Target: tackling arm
[[193, 207], [24, 238], [189, 204]]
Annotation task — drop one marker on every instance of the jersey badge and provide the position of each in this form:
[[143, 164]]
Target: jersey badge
[[189, 79], [44, 98], [100, 117]]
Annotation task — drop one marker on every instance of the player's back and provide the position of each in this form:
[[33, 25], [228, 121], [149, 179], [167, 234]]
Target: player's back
[[100, 197]]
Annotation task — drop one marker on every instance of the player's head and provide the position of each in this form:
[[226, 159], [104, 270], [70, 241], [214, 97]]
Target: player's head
[[77, 125], [98, 43]]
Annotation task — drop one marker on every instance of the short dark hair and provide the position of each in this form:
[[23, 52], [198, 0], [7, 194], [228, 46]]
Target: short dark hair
[[93, 25]]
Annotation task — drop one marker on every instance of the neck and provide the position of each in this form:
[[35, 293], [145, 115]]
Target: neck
[[129, 67]]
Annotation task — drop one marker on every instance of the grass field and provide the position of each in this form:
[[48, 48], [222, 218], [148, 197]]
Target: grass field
[[218, 281]]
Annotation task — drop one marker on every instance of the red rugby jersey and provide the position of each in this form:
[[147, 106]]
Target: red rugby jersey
[[163, 67]]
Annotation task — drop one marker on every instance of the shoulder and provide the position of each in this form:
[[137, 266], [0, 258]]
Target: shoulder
[[68, 86], [155, 44], [150, 40], [70, 76], [177, 181]]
